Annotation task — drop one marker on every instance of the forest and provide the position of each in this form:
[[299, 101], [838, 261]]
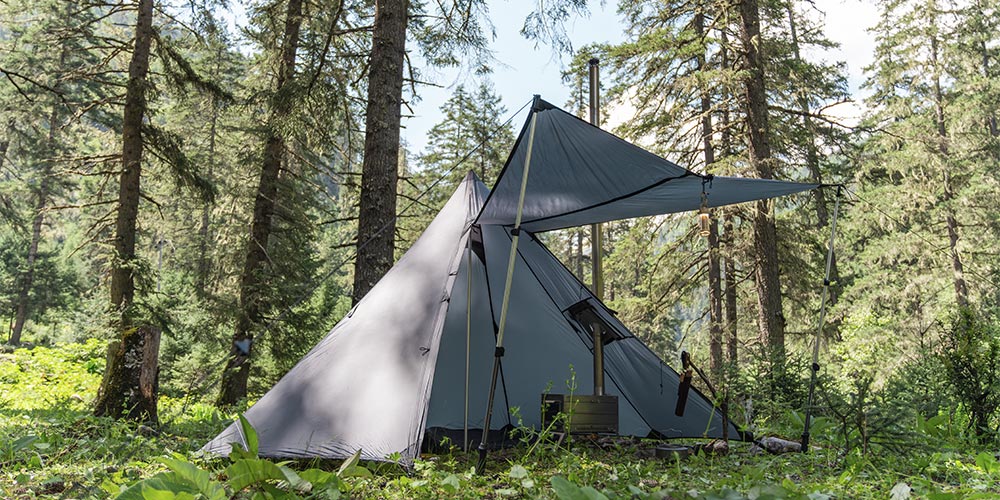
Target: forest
[[191, 200]]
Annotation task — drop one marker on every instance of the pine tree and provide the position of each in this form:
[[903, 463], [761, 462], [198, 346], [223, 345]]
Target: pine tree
[[309, 113], [470, 136], [237, 371], [120, 393], [925, 177], [443, 33]]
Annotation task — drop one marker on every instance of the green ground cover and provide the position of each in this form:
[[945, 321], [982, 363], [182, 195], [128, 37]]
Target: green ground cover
[[52, 447]]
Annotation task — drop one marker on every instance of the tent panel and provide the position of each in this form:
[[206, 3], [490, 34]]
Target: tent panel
[[583, 175], [679, 195], [647, 382], [651, 385], [574, 165], [365, 385], [447, 402], [543, 352]]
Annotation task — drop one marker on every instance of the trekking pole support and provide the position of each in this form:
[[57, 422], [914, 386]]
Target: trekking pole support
[[819, 330], [515, 236]]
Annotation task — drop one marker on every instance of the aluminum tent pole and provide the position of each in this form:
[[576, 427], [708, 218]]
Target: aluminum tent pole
[[819, 329], [515, 233]]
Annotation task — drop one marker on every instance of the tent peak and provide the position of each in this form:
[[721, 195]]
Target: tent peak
[[539, 104], [470, 176]]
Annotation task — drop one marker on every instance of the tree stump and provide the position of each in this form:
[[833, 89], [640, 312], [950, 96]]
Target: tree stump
[[131, 378]]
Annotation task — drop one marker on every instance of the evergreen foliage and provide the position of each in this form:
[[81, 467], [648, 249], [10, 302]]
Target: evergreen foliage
[[908, 356]]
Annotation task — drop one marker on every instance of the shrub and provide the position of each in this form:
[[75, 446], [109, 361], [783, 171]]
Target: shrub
[[970, 353]]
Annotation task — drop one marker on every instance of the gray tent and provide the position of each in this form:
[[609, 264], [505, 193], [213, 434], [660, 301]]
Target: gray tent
[[415, 355]]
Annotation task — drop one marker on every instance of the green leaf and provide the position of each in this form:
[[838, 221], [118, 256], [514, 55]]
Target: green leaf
[[110, 487], [293, 479], [518, 472], [163, 485], [988, 463], [350, 462], [350, 467], [323, 481], [250, 434], [592, 494], [273, 493], [22, 443], [318, 478], [358, 471], [198, 478], [149, 493], [451, 483], [245, 472], [788, 484], [566, 490], [944, 496]]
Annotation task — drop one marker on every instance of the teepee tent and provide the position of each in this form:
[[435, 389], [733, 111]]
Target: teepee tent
[[415, 356]]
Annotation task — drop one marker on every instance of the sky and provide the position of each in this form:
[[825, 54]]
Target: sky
[[524, 69]]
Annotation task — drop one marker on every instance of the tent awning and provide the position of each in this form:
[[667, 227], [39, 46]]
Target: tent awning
[[581, 174]]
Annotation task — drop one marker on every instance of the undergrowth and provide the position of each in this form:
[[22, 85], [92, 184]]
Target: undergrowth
[[52, 447]]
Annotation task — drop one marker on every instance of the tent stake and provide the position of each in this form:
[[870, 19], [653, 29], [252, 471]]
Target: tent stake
[[819, 329], [516, 233]]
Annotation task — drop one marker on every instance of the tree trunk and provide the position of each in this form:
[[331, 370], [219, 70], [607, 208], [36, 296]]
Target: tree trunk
[[768, 281], [5, 143], [716, 361], [122, 278], [252, 281], [958, 272], [133, 366], [991, 119], [41, 199], [379, 174], [121, 394], [730, 292], [727, 215]]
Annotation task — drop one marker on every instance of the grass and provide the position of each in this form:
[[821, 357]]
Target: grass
[[52, 447]]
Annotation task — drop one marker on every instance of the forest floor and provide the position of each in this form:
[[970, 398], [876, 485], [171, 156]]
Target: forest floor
[[52, 447]]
